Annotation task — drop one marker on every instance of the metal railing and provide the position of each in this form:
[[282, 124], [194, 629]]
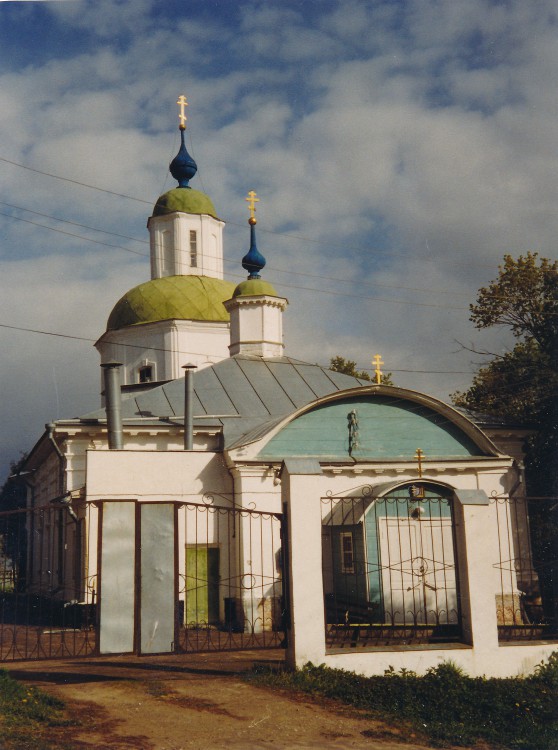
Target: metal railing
[[231, 579], [389, 568], [526, 570], [47, 601]]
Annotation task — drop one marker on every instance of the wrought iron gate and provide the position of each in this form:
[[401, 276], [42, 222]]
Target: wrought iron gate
[[390, 574], [118, 577], [231, 579]]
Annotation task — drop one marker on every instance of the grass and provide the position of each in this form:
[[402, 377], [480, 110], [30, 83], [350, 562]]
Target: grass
[[445, 705], [26, 715]]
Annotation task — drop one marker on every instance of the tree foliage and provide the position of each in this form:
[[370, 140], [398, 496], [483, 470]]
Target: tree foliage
[[522, 385], [523, 298], [348, 367], [515, 386]]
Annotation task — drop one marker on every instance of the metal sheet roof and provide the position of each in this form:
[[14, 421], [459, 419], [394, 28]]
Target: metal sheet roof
[[247, 395]]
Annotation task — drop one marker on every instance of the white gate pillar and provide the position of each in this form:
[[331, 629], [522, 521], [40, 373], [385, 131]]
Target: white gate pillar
[[477, 545], [306, 636]]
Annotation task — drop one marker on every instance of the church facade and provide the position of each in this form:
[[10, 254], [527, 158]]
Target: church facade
[[226, 493]]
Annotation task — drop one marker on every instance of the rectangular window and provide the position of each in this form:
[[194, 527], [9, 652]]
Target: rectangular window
[[347, 552], [146, 374], [193, 248], [167, 254]]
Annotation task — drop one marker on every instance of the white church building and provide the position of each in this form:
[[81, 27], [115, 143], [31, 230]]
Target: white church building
[[226, 495]]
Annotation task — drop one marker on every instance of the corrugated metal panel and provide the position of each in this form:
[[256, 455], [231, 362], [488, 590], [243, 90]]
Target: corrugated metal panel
[[174, 392], [343, 381], [318, 380], [244, 435], [243, 394], [294, 385], [269, 390], [154, 403], [210, 392]]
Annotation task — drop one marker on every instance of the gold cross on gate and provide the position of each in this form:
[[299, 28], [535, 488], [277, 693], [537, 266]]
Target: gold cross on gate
[[182, 115], [252, 200], [419, 456], [377, 361]]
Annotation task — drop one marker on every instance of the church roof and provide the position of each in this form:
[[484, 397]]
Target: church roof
[[172, 297], [248, 396], [186, 201], [254, 287]]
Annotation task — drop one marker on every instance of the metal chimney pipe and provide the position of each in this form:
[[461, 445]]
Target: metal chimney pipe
[[189, 406], [112, 404]]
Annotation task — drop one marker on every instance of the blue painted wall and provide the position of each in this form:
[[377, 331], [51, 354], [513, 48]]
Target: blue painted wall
[[388, 428]]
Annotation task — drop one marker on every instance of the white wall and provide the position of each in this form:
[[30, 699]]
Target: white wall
[[477, 553], [166, 345]]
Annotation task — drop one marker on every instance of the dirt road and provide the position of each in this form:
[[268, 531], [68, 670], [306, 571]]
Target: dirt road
[[197, 701]]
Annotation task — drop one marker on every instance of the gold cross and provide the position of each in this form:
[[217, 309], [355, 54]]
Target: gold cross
[[419, 455], [182, 115], [377, 361], [252, 200]]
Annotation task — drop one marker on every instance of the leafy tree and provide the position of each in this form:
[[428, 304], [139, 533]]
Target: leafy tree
[[524, 298], [522, 385], [348, 367]]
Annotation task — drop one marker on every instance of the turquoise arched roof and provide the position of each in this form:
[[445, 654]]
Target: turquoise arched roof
[[387, 428]]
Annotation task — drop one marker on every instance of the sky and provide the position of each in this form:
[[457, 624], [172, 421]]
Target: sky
[[399, 149]]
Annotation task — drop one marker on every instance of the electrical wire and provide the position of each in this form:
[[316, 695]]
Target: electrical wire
[[287, 235]]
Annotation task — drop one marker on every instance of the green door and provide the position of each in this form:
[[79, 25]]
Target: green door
[[202, 586]]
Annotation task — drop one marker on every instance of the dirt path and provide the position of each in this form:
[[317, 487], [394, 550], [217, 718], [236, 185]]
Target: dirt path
[[196, 701]]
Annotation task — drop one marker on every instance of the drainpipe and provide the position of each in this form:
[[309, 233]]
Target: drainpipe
[[189, 406], [112, 404], [65, 498], [50, 427]]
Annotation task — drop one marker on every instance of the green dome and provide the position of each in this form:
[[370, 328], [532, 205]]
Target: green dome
[[186, 200], [172, 297], [252, 287]]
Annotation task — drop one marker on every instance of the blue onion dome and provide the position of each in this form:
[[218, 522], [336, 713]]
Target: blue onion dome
[[253, 261], [183, 167]]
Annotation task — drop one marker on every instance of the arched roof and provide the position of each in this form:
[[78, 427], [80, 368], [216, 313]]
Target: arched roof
[[389, 423]]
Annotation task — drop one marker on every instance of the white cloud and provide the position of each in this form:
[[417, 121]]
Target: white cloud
[[402, 144]]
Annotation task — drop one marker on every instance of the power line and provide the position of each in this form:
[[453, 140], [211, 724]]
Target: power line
[[287, 235], [71, 234], [273, 268], [164, 349], [67, 221], [287, 284], [518, 383]]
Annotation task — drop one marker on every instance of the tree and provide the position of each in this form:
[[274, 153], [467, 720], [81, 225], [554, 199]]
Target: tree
[[348, 367], [522, 385], [524, 298]]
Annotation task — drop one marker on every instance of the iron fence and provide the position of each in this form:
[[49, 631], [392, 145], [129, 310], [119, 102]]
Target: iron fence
[[389, 568], [47, 600], [527, 568], [231, 579]]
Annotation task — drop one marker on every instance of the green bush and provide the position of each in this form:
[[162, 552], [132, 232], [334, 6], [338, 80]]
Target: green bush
[[445, 704]]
